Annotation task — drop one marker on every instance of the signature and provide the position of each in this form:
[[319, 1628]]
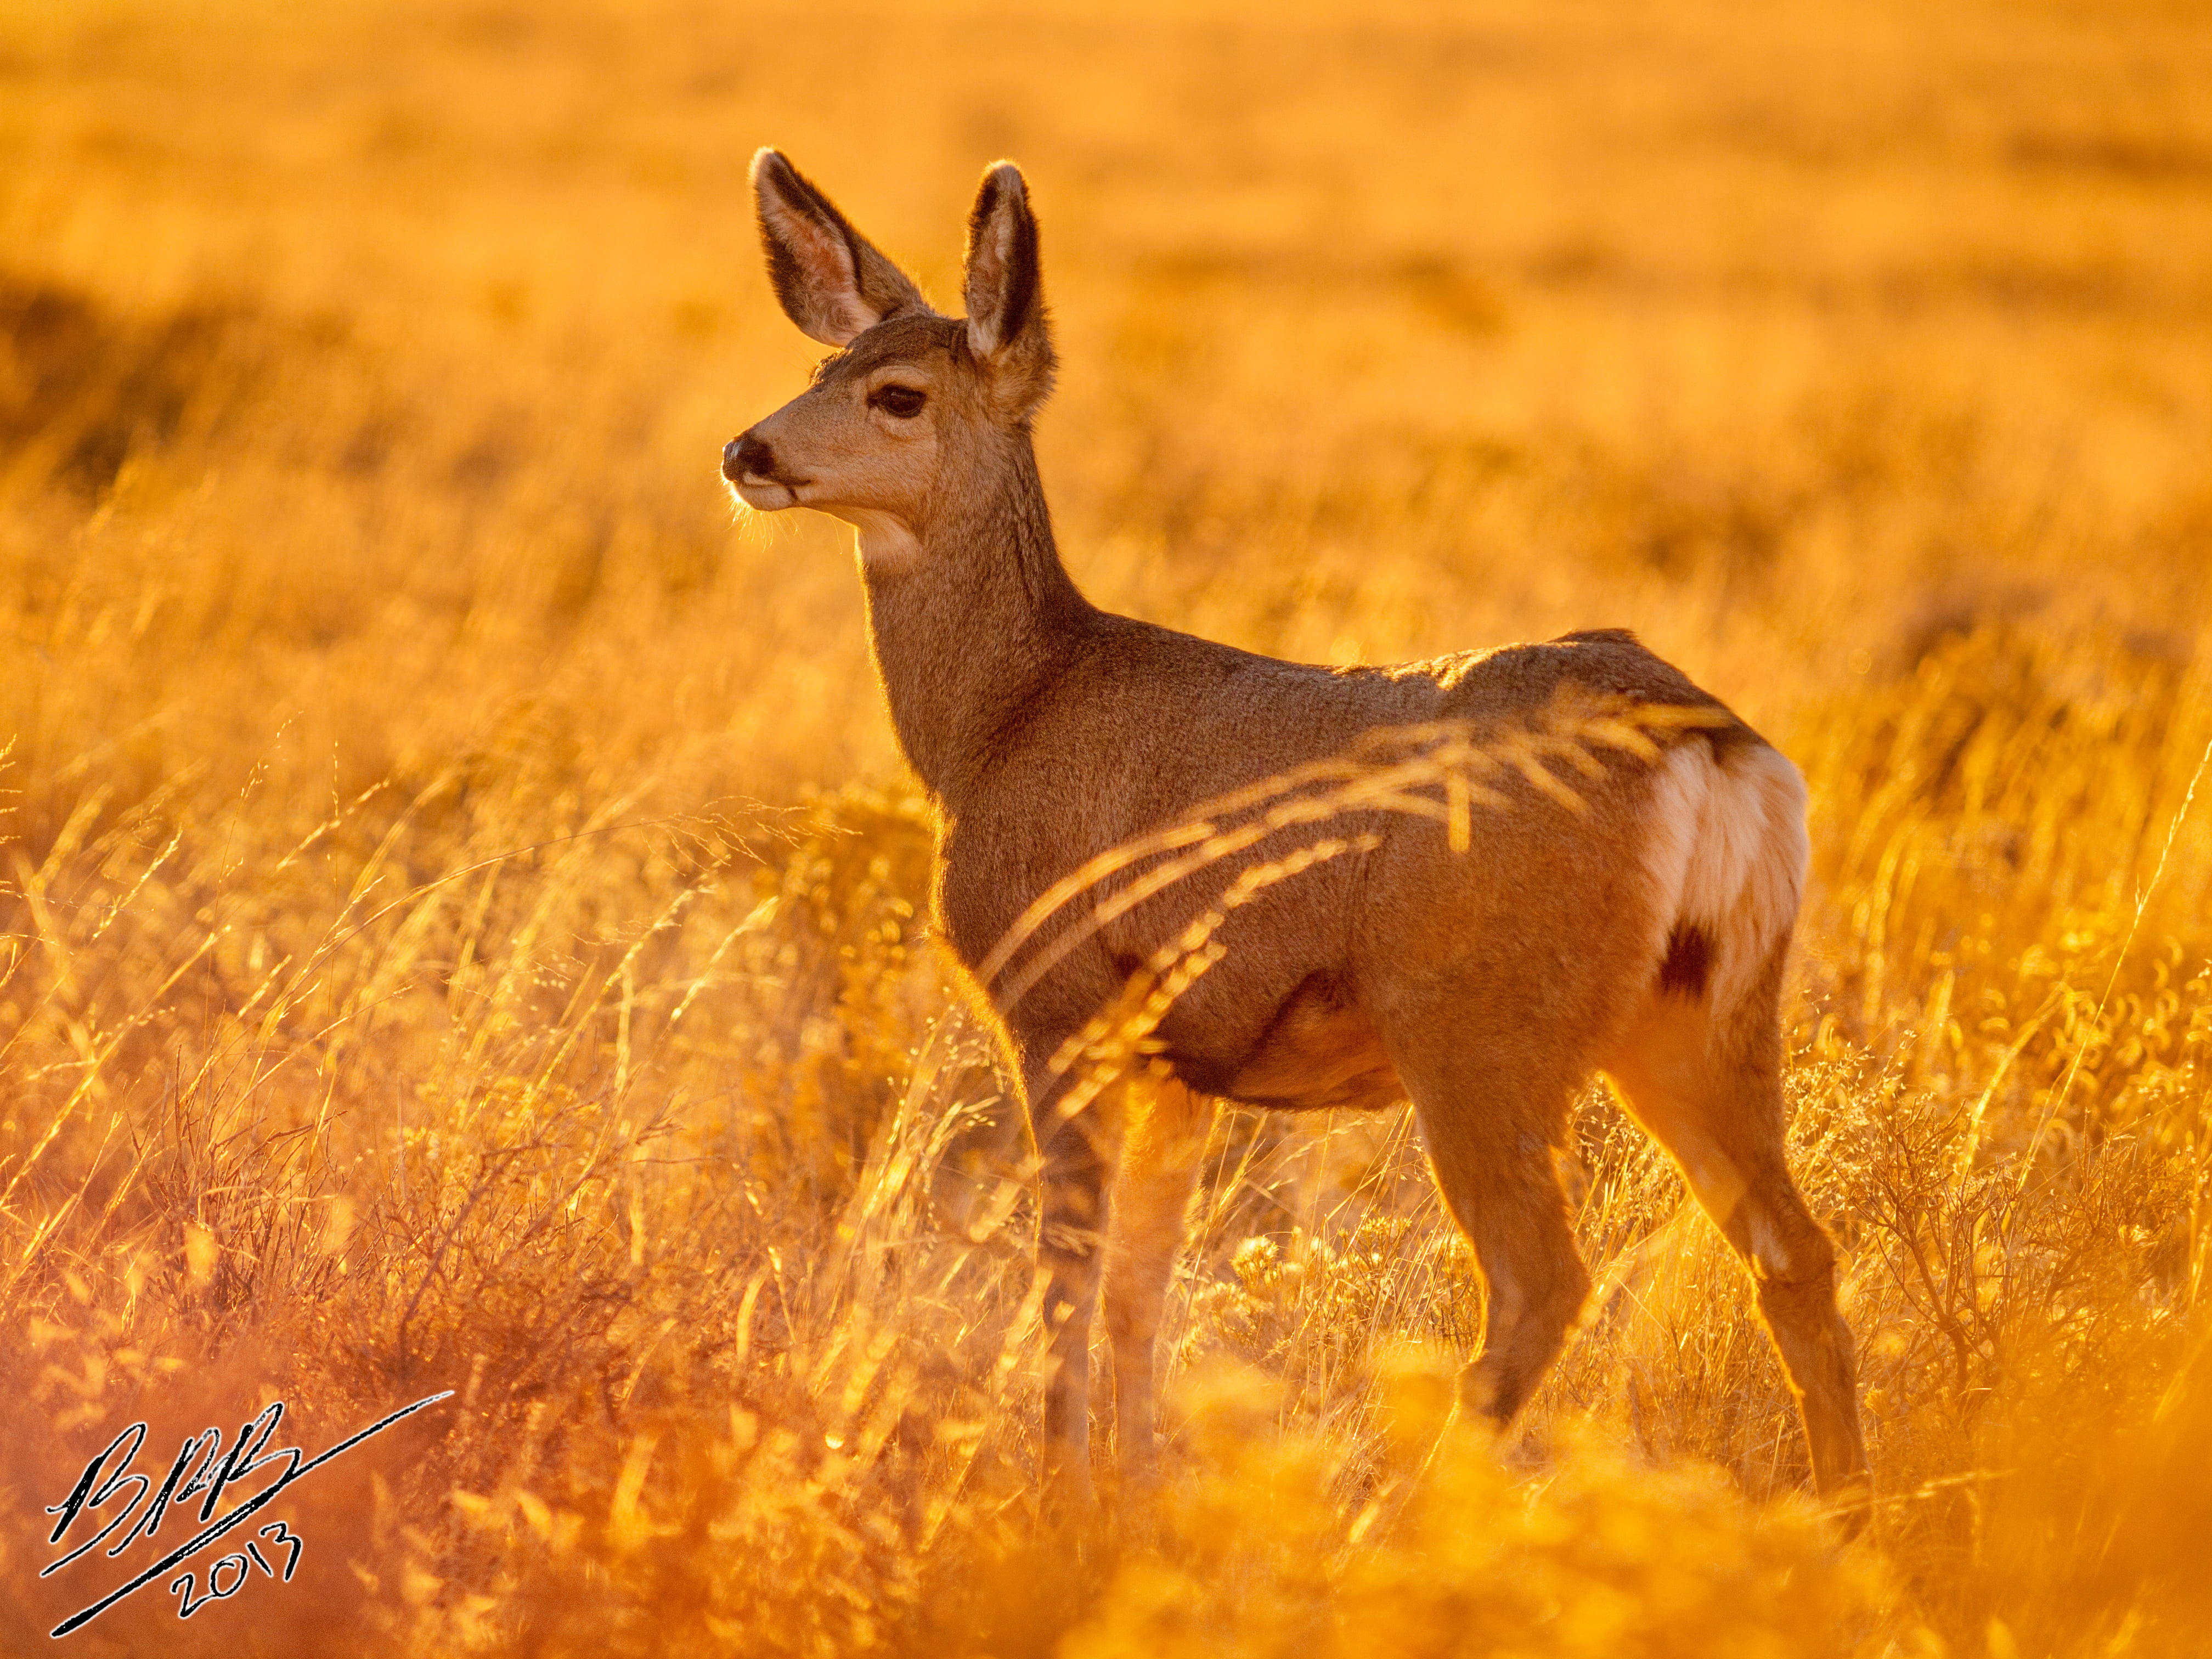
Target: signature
[[195, 1471]]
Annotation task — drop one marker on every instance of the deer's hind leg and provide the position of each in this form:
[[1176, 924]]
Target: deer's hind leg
[[1709, 1088], [1492, 1099], [1163, 1139]]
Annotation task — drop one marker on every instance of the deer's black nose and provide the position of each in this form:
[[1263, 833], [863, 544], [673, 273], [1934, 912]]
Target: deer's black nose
[[746, 453]]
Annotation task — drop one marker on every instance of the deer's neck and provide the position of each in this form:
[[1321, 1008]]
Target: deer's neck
[[972, 617]]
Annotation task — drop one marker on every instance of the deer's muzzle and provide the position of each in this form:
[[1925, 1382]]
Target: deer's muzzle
[[750, 465], [746, 453]]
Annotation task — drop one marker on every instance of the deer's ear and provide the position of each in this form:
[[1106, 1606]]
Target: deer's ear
[[1007, 327], [833, 282]]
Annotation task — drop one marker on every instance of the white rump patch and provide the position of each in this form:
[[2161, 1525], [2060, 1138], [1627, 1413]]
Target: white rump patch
[[1726, 851]]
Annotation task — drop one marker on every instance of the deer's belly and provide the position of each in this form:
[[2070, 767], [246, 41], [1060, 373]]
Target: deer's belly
[[1321, 1050]]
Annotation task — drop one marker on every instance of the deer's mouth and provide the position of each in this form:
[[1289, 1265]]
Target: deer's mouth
[[767, 495]]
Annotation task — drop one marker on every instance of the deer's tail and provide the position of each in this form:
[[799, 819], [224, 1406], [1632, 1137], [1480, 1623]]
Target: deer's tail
[[1726, 850]]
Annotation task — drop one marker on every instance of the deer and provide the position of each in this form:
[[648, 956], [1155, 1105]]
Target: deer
[[1642, 936]]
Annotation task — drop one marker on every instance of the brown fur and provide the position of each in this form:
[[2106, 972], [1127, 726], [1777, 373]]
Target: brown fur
[[1488, 986]]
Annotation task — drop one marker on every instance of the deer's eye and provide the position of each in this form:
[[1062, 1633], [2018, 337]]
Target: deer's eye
[[901, 402]]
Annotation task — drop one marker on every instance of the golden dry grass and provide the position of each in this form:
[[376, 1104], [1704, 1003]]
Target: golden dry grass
[[458, 897]]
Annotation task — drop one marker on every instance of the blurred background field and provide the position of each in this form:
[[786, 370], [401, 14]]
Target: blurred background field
[[461, 911]]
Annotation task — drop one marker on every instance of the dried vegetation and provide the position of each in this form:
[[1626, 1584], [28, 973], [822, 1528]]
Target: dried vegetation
[[460, 910]]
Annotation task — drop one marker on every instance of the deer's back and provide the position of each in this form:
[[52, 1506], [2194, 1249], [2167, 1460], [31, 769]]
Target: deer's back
[[1148, 725]]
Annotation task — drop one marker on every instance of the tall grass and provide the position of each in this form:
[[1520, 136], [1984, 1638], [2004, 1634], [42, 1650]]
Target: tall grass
[[462, 919]]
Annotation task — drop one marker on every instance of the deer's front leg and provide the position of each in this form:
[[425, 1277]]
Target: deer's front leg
[[1076, 1151], [1165, 1138]]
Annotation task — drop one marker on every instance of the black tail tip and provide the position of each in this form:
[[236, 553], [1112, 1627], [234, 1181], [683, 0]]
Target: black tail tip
[[1688, 964]]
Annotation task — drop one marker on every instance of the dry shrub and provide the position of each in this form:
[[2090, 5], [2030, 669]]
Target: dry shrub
[[1454, 1554]]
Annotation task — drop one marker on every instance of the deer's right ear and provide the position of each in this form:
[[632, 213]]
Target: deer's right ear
[[833, 282], [1007, 330]]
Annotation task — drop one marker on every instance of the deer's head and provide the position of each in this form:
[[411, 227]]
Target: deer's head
[[913, 407]]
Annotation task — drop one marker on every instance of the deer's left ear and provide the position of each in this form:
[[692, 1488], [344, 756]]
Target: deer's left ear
[[833, 282], [1007, 327]]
